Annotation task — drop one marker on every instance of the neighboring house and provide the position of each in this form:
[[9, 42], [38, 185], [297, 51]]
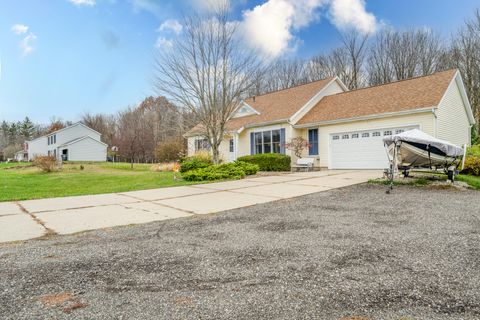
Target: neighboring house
[[73, 143], [345, 128], [21, 155]]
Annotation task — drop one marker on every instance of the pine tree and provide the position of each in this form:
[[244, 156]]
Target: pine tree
[[27, 129]]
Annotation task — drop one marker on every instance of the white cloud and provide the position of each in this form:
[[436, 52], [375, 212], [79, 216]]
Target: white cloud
[[19, 29], [87, 3], [26, 45], [164, 43], [270, 26], [347, 14], [210, 5], [172, 25]]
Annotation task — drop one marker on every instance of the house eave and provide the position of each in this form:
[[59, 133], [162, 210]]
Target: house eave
[[367, 117]]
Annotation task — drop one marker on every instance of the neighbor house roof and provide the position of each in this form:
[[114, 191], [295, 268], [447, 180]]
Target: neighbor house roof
[[400, 96], [274, 106]]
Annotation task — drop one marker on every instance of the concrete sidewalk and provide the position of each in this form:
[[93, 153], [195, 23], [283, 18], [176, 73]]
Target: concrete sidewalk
[[35, 218]]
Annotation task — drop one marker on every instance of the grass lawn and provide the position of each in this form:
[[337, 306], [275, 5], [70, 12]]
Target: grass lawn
[[21, 181], [472, 181]]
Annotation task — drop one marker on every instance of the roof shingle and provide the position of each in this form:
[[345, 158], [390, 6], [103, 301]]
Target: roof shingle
[[404, 95]]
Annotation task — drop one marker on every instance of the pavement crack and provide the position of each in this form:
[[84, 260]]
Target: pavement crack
[[48, 231]]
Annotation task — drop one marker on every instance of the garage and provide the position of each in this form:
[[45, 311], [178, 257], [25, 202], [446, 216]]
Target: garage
[[361, 149]]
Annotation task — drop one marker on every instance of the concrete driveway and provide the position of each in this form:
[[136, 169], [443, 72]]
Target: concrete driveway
[[36, 218]]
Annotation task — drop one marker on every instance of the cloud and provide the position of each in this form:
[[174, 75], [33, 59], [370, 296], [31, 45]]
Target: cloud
[[19, 29], [86, 3], [26, 45], [164, 43], [270, 26], [210, 5], [171, 25], [346, 14]]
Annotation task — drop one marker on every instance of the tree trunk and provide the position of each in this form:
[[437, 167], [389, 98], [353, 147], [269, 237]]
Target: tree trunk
[[131, 163]]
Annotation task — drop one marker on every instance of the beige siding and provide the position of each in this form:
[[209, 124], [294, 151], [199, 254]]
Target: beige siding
[[424, 120], [224, 147], [452, 119]]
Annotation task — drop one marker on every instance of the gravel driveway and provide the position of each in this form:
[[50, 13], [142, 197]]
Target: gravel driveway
[[350, 253]]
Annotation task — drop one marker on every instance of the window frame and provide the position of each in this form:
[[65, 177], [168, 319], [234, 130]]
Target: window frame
[[313, 142], [272, 145]]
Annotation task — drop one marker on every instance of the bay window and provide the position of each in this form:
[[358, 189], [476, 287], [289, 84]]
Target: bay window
[[267, 141]]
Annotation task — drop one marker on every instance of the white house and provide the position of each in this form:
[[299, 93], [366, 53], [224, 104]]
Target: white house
[[73, 143], [345, 128]]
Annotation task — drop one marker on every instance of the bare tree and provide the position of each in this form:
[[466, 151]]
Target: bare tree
[[130, 134], [103, 123], [208, 72]]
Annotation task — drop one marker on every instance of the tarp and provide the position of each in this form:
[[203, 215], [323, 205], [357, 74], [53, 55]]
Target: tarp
[[417, 136]]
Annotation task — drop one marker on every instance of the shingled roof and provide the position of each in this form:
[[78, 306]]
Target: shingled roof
[[404, 95]]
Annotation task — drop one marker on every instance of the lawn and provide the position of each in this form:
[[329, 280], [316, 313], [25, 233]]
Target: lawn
[[21, 181], [472, 181]]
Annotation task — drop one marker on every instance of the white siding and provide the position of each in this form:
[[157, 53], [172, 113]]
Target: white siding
[[452, 119], [425, 121], [37, 147], [86, 150]]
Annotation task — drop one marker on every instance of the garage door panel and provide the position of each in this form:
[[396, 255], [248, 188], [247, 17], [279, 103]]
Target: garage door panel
[[362, 152]]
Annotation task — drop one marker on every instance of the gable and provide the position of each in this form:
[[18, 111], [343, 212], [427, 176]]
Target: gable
[[244, 110]]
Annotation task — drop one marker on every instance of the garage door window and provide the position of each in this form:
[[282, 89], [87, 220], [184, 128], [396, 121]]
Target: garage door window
[[376, 134], [345, 136], [355, 136], [365, 135], [387, 133], [335, 137]]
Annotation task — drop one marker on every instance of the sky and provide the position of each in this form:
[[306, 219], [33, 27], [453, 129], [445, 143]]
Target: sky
[[61, 58]]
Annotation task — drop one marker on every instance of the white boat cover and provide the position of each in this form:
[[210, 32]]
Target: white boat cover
[[417, 136]]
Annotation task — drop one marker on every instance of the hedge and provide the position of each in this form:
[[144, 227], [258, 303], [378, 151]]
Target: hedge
[[472, 166], [234, 170], [269, 161], [193, 163]]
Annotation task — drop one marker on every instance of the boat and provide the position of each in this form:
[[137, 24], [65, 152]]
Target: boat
[[416, 149]]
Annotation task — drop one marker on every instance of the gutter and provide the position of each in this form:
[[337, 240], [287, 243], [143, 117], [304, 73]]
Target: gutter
[[368, 117]]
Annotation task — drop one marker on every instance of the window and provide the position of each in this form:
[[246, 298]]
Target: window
[[365, 135], [387, 133], [55, 138], [267, 141], [335, 137], [201, 144], [345, 136], [376, 134], [48, 140], [313, 141], [399, 131], [355, 136], [231, 146]]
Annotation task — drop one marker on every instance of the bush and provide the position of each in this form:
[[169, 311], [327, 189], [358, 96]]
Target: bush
[[169, 150], [45, 163], [472, 166], [234, 170], [195, 162], [269, 161], [474, 150]]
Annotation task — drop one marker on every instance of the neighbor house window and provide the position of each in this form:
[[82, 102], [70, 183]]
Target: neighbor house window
[[201, 144], [387, 133], [365, 135], [231, 147], [376, 134], [267, 141], [313, 141], [55, 138]]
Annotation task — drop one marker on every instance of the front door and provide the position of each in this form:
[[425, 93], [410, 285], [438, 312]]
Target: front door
[[65, 155], [231, 156]]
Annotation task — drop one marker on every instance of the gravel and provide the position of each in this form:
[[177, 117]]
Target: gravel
[[350, 253]]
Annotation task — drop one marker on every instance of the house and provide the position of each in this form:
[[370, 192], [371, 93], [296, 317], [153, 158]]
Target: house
[[21, 155], [73, 143], [345, 128]]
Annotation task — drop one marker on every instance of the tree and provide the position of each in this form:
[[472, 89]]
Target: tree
[[208, 72], [128, 140], [297, 145], [27, 129]]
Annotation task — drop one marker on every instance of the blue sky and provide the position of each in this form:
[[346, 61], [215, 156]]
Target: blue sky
[[60, 58]]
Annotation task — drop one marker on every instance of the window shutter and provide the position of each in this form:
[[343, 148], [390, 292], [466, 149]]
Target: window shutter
[[252, 143], [282, 141]]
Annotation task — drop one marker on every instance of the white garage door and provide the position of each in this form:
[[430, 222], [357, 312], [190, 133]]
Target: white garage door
[[360, 149]]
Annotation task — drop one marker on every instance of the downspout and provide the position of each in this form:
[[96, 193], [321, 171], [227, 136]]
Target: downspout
[[435, 124]]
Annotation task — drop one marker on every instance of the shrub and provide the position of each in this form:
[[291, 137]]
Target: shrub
[[169, 150], [198, 161], [45, 163], [269, 161], [472, 166], [474, 150], [234, 170]]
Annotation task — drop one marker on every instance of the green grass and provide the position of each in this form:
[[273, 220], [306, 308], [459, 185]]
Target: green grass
[[472, 181], [22, 181]]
